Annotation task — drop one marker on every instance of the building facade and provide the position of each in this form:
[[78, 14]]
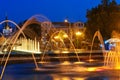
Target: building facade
[[74, 31]]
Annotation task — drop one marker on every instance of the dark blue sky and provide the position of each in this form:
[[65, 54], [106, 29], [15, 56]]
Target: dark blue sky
[[55, 10]]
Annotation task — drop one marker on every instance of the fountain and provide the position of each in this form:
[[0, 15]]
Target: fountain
[[56, 48], [12, 40], [112, 58], [97, 34], [27, 45], [57, 43]]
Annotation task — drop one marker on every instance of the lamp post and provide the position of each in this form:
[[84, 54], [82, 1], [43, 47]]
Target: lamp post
[[69, 28], [69, 31], [77, 35]]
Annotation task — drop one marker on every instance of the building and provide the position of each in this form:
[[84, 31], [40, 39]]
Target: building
[[7, 30], [74, 31], [69, 28]]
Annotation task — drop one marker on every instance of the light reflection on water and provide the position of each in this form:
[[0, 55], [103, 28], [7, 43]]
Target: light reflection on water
[[27, 72], [58, 77]]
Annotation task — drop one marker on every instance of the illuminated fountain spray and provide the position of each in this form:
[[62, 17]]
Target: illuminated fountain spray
[[8, 42], [60, 46], [12, 40], [27, 45], [112, 57], [33, 45], [100, 38]]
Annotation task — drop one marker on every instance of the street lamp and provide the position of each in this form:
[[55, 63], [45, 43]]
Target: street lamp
[[66, 20], [69, 28], [65, 36], [77, 35], [69, 31]]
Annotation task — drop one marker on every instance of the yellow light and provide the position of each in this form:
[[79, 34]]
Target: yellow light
[[66, 63], [91, 69], [65, 51], [117, 67], [78, 33], [56, 37], [78, 78], [65, 78], [90, 60], [65, 35]]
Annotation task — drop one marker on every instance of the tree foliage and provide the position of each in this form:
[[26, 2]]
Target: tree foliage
[[105, 17]]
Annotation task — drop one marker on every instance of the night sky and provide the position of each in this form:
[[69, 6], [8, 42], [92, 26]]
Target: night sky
[[54, 10]]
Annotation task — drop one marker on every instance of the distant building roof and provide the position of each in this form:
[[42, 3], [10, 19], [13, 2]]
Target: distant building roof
[[62, 24]]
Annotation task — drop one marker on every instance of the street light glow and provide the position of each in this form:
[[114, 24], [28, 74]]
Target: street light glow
[[78, 33], [66, 20], [65, 35], [56, 37]]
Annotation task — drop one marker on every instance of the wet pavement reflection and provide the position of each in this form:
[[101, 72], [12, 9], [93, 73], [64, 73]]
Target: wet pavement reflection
[[27, 72]]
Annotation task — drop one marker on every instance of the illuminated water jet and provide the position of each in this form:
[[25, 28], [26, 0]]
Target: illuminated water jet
[[51, 41], [112, 57], [14, 38]]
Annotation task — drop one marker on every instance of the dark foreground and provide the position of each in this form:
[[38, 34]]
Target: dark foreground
[[55, 71]]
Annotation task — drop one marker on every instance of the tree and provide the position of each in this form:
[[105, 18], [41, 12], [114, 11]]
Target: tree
[[105, 17], [105, 2]]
